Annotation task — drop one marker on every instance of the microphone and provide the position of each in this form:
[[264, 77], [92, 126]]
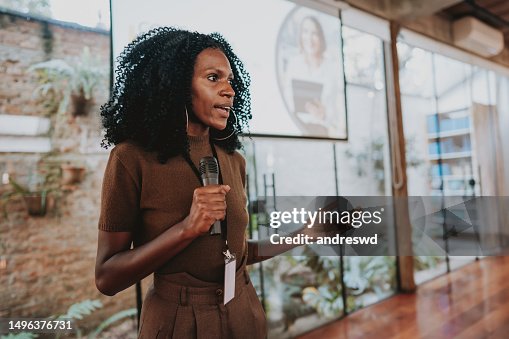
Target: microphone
[[209, 171]]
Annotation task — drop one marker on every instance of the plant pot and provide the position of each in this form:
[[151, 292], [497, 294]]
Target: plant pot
[[72, 174], [81, 105], [36, 203]]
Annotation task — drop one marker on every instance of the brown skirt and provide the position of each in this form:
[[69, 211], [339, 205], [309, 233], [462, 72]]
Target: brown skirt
[[172, 309]]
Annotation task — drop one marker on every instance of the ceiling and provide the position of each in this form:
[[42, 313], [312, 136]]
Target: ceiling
[[495, 13]]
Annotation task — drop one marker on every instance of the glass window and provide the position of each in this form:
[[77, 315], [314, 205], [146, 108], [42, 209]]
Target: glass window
[[364, 161], [303, 292], [451, 134], [452, 81], [300, 293], [418, 102], [415, 72]]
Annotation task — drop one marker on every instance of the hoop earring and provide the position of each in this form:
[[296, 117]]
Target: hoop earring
[[187, 119], [235, 123]]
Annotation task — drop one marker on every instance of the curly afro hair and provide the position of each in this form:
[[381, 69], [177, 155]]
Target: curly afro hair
[[153, 89]]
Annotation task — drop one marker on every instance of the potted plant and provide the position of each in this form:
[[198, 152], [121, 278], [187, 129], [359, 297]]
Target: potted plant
[[38, 192], [72, 173], [35, 201], [63, 84]]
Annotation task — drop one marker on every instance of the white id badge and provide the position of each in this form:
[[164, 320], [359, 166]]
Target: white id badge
[[229, 277]]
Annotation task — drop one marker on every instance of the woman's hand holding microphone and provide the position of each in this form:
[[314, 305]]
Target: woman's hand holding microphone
[[209, 205]]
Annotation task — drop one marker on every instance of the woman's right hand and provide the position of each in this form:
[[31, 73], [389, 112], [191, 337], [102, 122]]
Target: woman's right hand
[[209, 205], [118, 267]]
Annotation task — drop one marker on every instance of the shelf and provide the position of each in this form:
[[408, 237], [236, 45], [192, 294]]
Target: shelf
[[449, 143], [454, 111], [454, 177], [452, 155], [464, 131], [447, 192]]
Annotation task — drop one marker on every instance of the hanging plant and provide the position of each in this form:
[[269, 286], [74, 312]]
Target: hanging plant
[[65, 85], [72, 174], [36, 201], [39, 191]]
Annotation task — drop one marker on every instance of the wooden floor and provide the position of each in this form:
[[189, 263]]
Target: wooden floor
[[471, 302]]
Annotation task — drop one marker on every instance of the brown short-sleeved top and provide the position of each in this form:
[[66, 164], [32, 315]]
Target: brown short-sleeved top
[[142, 196]]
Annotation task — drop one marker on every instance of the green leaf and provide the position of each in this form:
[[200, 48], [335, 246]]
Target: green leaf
[[79, 310], [17, 187], [114, 318]]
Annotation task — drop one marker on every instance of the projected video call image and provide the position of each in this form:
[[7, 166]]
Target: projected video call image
[[310, 72], [294, 58]]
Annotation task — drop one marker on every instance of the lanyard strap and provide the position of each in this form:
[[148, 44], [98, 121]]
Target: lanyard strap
[[224, 228], [197, 172]]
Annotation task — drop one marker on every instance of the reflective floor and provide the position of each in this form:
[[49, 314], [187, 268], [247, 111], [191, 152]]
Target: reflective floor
[[472, 302]]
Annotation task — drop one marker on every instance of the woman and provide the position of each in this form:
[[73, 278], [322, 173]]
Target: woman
[[179, 96], [313, 83]]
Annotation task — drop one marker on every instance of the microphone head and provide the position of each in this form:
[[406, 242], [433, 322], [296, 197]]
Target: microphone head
[[208, 165]]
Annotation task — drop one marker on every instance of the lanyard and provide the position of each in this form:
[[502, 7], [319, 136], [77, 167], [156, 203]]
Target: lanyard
[[197, 172], [224, 228]]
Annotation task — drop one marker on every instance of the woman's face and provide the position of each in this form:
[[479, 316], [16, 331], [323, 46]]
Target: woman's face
[[310, 38], [211, 90]]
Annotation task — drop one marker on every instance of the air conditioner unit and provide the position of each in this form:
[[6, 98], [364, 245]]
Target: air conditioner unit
[[476, 36]]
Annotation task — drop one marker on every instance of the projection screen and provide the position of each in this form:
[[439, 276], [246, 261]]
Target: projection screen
[[292, 52]]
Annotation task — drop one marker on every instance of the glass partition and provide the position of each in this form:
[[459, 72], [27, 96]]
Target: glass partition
[[364, 162], [301, 293], [451, 119]]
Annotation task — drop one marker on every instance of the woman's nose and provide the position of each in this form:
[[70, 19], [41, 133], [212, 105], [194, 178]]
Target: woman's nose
[[228, 91]]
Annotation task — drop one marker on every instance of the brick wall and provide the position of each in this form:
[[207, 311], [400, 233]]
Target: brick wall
[[47, 263]]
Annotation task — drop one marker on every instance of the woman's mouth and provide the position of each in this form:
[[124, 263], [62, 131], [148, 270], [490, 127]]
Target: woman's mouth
[[225, 110]]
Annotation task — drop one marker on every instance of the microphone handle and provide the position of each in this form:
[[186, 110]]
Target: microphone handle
[[216, 227]]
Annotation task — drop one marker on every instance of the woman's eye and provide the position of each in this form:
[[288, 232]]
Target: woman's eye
[[215, 77]]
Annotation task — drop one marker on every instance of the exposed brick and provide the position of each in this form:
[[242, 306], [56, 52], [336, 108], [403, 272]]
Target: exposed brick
[[50, 260]]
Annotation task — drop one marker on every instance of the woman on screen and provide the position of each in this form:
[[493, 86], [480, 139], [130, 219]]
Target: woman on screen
[[179, 96], [313, 83]]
